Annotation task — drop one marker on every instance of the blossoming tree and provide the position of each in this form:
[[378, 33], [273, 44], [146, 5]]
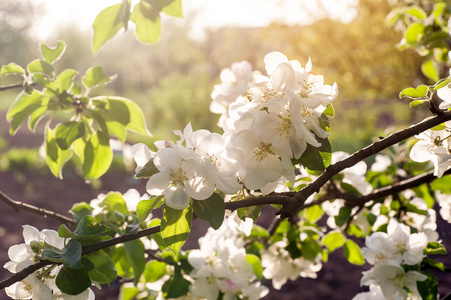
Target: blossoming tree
[[274, 150]]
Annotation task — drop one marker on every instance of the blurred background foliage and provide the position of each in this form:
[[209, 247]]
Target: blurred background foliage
[[172, 80]]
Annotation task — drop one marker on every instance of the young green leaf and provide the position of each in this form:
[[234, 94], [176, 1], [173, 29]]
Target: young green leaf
[[174, 8], [123, 114], [175, 226], [67, 132], [51, 55], [12, 69], [211, 210], [352, 253], [65, 79], [333, 240], [145, 207], [24, 106], [256, 264], [420, 92], [41, 67], [97, 156], [108, 22], [430, 69], [56, 157], [95, 76], [148, 23], [154, 270]]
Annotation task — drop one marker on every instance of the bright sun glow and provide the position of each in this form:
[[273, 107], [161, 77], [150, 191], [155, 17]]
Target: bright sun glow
[[204, 14]]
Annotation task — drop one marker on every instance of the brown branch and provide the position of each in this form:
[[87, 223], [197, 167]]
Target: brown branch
[[17, 205], [295, 206], [270, 199], [11, 86]]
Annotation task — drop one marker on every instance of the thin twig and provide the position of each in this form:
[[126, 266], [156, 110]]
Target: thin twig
[[17, 205], [11, 86]]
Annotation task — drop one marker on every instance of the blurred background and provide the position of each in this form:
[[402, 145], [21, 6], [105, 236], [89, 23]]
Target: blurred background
[[348, 42]]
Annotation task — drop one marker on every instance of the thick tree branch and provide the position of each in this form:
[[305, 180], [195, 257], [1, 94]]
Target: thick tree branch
[[17, 205], [272, 199], [294, 207]]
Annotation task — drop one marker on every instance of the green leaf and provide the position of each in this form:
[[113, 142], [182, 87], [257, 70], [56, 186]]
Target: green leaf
[[128, 292], [145, 207], [56, 157], [104, 270], [132, 228], [68, 132], [114, 201], [154, 270], [249, 212], [433, 263], [177, 286], [174, 8], [123, 112], [175, 227], [51, 55], [417, 102], [441, 83], [430, 69], [11, 69], [428, 288], [435, 248], [211, 210], [72, 254], [256, 264], [24, 106], [412, 208], [147, 170], [122, 263], [41, 67], [65, 232], [65, 79], [442, 184], [414, 33], [95, 76], [313, 213], [148, 23], [97, 156], [108, 22], [329, 111], [79, 210], [415, 93], [333, 240], [344, 214], [317, 159], [134, 251], [72, 281], [89, 231], [417, 12], [352, 253]]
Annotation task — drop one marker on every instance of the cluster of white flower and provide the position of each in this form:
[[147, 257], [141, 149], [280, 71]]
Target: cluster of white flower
[[220, 266], [41, 284], [434, 145], [267, 122], [444, 201], [280, 266], [388, 253]]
